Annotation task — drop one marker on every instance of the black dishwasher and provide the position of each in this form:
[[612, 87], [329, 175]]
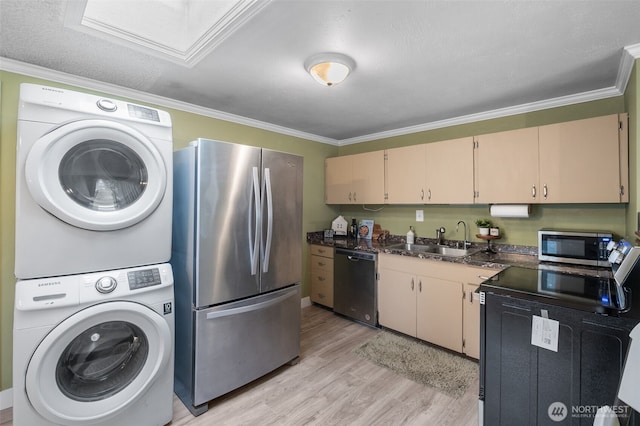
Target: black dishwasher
[[354, 285]]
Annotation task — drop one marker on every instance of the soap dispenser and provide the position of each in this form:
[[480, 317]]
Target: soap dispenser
[[411, 236]]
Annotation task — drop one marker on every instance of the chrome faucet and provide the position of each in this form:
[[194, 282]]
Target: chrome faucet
[[440, 235], [466, 243]]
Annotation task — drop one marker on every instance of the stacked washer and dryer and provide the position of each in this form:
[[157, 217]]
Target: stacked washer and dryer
[[93, 316]]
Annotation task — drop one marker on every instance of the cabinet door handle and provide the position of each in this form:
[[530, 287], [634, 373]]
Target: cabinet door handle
[[544, 191], [321, 263], [354, 196], [420, 286], [320, 278], [412, 284], [422, 194], [349, 195], [533, 191], [429, 194]]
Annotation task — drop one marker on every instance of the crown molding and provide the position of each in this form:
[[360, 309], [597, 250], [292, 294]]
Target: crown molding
[[593, 95], [629, 55], [35, 71]]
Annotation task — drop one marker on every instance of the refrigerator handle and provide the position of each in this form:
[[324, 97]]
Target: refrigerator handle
[[253, 249], [267, 244], [249, 308]]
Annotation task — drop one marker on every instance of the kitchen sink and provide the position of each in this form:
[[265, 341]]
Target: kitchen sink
[[435, 249], [416, 248]]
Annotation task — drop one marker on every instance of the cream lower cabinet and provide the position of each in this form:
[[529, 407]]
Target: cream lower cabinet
[[396, 297], [428, 300], [471, 321], [439, 312], [321, 259]]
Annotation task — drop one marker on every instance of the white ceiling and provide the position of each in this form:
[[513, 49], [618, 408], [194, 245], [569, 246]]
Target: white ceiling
[[420, 64]]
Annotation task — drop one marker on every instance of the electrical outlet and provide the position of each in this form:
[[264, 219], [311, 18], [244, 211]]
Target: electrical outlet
[[419, 215]]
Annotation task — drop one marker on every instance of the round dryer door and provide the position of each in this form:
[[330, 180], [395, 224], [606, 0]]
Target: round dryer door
[[96, 174], [98, 362]]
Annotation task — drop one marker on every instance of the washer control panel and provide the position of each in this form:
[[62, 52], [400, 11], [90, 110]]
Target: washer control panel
[[144, 278], [106, 284]]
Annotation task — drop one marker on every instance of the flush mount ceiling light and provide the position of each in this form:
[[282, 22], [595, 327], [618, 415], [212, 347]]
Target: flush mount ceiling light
[[329, 69]]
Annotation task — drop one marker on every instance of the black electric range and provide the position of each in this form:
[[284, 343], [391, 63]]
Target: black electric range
[[588, 291]]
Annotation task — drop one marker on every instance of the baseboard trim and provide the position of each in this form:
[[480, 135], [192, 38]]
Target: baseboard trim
[[6, 398]]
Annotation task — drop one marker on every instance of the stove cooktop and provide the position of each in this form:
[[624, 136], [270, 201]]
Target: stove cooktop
[[580, 291]]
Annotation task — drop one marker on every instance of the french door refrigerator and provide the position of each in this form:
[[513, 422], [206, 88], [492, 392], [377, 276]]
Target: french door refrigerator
[[237, 261]]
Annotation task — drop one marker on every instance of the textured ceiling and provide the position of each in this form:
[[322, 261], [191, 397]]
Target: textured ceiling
[[419, 63]]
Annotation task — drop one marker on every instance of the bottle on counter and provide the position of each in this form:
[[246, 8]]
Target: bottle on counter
[[354, 227], [411, 236]]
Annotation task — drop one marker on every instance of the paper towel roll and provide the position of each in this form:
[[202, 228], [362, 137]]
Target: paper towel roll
[[510, 210]]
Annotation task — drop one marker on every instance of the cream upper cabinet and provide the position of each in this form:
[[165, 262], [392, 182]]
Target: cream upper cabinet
[[584, 161], [406, 175], [449, 167], [368, 178], [355, 179], [337, 180], [432, 173], [506, 167]]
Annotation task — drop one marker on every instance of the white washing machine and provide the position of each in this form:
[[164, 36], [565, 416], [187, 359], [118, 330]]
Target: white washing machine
[[94, 349], [94, 183]]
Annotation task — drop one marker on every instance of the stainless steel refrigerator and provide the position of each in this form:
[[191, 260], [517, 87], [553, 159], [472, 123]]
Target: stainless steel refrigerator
[[237, 261]]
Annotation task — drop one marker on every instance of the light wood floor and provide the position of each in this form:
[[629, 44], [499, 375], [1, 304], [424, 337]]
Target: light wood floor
[[331, 386]]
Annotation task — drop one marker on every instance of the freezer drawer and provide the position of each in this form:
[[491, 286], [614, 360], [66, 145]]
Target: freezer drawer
[[242, 341]]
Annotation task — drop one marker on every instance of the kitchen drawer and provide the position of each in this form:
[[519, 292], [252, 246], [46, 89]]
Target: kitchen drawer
[[325, 251], [322, 288], [322, 275], [322, 264]]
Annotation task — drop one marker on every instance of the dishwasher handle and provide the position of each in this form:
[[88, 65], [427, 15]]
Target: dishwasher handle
[[355, 255]]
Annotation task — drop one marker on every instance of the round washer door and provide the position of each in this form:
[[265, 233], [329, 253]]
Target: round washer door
[[98, 362], [96, 174]]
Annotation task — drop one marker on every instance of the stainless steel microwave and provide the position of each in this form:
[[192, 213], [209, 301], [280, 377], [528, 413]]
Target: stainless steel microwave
[[576, 247]]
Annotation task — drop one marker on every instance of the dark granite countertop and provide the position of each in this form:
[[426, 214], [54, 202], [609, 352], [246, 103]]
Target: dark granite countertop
[[506, 255], [519, 266]]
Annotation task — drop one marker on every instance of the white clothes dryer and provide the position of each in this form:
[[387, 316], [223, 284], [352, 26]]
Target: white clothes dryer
[[94, 183], [94, 349]]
